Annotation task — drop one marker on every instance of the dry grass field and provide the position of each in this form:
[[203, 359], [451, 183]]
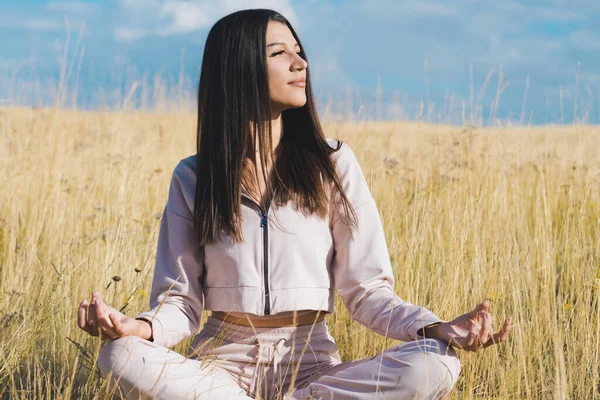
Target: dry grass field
[[508, 214]]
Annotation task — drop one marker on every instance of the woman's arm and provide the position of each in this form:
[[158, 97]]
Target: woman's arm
[[176, 296], [364, 280], [361, 265]]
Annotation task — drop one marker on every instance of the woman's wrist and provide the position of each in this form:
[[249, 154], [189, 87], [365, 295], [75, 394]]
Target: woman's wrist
[[144, 329], [432, 331]]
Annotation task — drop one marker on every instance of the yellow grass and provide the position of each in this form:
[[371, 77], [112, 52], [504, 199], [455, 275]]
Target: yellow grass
[[512, 215]]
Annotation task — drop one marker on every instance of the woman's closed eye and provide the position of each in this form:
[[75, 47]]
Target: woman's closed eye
[[281, 52]]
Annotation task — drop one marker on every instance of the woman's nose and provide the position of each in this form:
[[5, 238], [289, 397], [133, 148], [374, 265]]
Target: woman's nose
[[299, 63]]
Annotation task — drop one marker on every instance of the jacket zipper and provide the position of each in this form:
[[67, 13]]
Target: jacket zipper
[[264, 224]]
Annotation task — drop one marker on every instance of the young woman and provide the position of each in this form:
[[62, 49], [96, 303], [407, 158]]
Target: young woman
[[261, 227]]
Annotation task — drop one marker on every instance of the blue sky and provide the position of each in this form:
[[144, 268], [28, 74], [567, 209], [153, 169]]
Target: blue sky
[[437, 53]]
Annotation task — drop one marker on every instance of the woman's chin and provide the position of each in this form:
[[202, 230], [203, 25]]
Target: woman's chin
[[290, 104], [297, 103]]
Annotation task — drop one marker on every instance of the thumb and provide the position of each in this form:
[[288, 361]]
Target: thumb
[[483, 306], [118, 327], [97, 294]]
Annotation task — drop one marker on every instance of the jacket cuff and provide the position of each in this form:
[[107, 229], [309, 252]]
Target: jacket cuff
[[421, 322]]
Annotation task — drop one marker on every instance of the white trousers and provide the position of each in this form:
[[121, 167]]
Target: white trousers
[[237, 362]]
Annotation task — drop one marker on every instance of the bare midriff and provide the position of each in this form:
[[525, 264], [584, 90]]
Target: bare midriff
[[284, 319]]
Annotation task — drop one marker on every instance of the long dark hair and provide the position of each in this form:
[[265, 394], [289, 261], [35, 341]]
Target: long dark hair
[[233, 102]]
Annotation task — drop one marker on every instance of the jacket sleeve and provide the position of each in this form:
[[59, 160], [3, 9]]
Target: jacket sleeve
[[176, 295], [361, 265]]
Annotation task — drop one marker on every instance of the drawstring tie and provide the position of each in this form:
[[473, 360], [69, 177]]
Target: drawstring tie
[[268, 354]]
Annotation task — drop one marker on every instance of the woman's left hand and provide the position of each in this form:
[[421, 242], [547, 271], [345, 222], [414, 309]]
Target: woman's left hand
[[472, 331]]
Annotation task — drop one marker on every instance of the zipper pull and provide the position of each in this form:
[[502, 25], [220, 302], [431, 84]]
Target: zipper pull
[[263, 221]]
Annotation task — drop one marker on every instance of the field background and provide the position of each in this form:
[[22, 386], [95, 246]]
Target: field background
[[511, 214]]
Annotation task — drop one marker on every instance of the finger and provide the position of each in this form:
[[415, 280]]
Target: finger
[[98, 309], [81, 315], [490, 322], [501, 335], [471, 338], [103, 324], [100, 314], [91, 318], [474, 324], [81, 312], [486, 331], [99, 298], [465, 342], [483, 306], [477, 343]]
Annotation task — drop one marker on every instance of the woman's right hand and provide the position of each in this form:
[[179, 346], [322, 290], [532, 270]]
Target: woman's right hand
[[98, 318]]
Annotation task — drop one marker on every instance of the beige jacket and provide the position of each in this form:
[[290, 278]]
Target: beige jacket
[[296, 264]]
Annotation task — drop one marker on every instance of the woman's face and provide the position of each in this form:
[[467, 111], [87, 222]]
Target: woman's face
[[284, 66]]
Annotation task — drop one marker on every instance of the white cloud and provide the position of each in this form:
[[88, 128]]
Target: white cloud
[[586, 40], [42, 24], [592, 77], [430, 8], [72, 7], [44, 19], [553, 14], [140, 3], [407, 8], [172, 17], [326, 69], [128, 34], [184, 17]]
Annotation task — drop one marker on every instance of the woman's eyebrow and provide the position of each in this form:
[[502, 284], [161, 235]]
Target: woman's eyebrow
[[281, 43]]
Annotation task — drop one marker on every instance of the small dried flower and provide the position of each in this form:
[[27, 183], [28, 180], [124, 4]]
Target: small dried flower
[[390, 162]]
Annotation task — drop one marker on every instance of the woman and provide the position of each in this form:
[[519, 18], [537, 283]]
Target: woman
[[261, 226]]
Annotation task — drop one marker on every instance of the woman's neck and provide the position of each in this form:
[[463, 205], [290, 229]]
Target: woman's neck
[[253, 178], [276, 128]]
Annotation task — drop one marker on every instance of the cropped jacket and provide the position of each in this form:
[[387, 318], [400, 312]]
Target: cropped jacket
[[286, 262]]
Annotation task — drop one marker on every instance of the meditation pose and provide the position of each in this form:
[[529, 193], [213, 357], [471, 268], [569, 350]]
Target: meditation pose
[[264, 224]]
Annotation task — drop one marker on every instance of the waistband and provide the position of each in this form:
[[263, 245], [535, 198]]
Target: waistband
[[236, 332]]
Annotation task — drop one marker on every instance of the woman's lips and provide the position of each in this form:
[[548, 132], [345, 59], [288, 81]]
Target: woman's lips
[[298, 83]]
